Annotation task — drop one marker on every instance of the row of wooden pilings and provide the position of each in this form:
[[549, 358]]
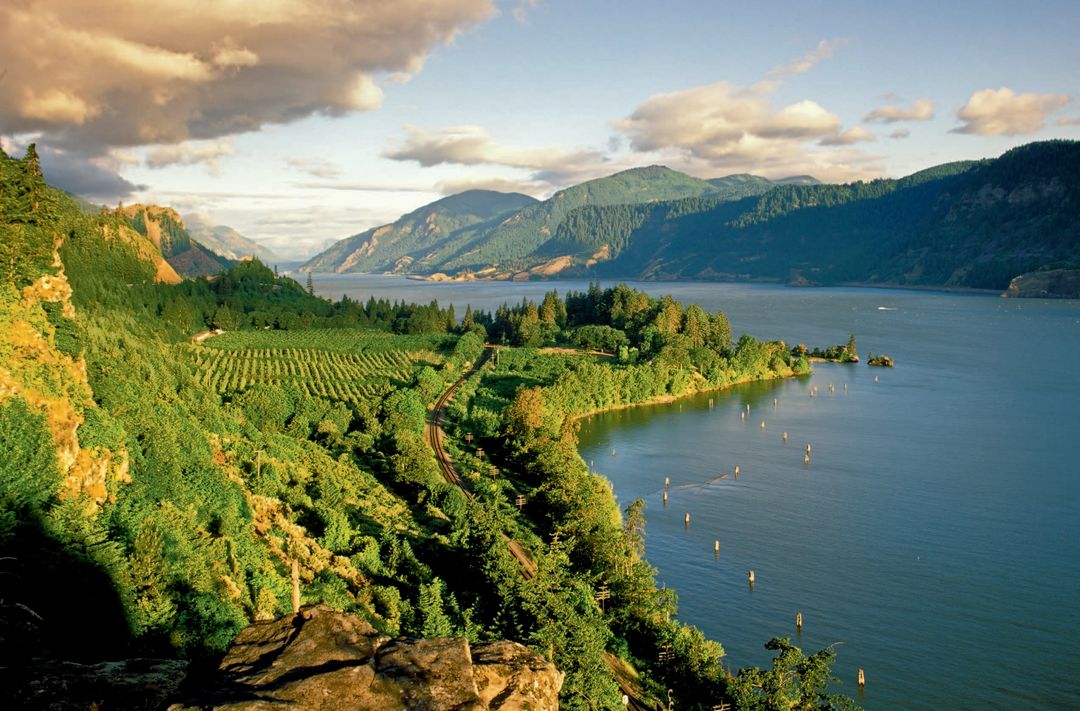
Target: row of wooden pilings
[[751, 577]]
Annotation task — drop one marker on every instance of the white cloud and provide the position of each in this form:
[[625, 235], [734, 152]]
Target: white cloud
[[1064, 121], [522, 9], [534, 188], [920, 110], [993, 112], [721, 119], [90, 76], [723, 128], [208, 153], [824, 50], [900, 133], [315, 167], [471, 145], [856, 134]]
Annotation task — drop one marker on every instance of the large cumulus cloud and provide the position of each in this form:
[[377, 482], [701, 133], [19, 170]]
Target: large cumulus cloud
[[722, 127], [92, 75], [995, 112]]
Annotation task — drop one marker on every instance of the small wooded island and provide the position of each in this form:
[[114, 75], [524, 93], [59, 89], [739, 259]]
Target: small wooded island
[[192, 489]]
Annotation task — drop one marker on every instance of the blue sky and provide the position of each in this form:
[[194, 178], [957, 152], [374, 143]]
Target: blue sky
[[299, 123]]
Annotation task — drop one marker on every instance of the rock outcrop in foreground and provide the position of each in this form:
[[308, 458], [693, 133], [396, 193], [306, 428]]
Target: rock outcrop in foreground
[[321, 659]]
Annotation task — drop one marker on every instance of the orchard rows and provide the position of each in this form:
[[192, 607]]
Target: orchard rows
[[321, 369]]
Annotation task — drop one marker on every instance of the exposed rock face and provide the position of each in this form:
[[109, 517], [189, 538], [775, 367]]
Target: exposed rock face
[[1048, 284], [321, 659], [127, 684]]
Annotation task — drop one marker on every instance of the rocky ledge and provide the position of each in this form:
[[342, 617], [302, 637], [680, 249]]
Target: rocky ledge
[[1047, 284], [321, 659]]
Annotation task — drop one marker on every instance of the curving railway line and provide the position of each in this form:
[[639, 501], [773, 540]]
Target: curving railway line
[[435, 437], [434, 434]]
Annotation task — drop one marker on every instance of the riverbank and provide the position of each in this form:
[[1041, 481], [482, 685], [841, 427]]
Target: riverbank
[[668, 399]]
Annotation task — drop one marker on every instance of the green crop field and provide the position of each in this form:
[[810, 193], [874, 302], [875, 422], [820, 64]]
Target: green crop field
[[339, 364]]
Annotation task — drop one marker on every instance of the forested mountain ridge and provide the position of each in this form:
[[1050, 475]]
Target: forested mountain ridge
[[396, 246], [966, 224], [973, 224], [494, 245]]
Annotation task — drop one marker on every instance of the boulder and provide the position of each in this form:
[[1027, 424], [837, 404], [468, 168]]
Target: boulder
[[326, 660]]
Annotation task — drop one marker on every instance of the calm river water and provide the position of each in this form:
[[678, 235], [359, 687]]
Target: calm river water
[[935, 535]]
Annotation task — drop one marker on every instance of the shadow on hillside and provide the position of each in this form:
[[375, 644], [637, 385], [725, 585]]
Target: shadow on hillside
[[55, 602]]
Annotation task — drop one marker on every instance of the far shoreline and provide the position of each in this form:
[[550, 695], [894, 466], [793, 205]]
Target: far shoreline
[[637, 280]]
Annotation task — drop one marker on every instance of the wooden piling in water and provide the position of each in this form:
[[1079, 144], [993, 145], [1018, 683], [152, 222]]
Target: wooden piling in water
[[686, 519], [806, 459], [862, 678], [667, 482], [665, 498], [736, 471], [750, 577], [798, 621], [785, 436], [763, 424]]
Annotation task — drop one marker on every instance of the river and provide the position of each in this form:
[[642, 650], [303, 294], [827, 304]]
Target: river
[[935, 535]]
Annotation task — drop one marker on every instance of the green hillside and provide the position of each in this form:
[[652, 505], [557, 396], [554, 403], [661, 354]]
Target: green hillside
[[445, 236], [740, 185], [963, 224], [520, 235], [395, 247]]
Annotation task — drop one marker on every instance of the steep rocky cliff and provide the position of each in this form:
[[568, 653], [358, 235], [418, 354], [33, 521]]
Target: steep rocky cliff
[[164, 227]]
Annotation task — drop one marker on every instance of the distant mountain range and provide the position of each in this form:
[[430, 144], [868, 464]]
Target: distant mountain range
[[966, 224], [229, 243]]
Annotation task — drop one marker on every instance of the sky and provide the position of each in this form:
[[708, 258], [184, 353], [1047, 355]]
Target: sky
[[301, 122]]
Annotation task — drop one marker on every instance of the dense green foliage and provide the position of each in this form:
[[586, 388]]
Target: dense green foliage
[[176, 482], [973, 224]]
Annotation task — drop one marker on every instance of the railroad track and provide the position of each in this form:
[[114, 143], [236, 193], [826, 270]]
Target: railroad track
[[435, 436]]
